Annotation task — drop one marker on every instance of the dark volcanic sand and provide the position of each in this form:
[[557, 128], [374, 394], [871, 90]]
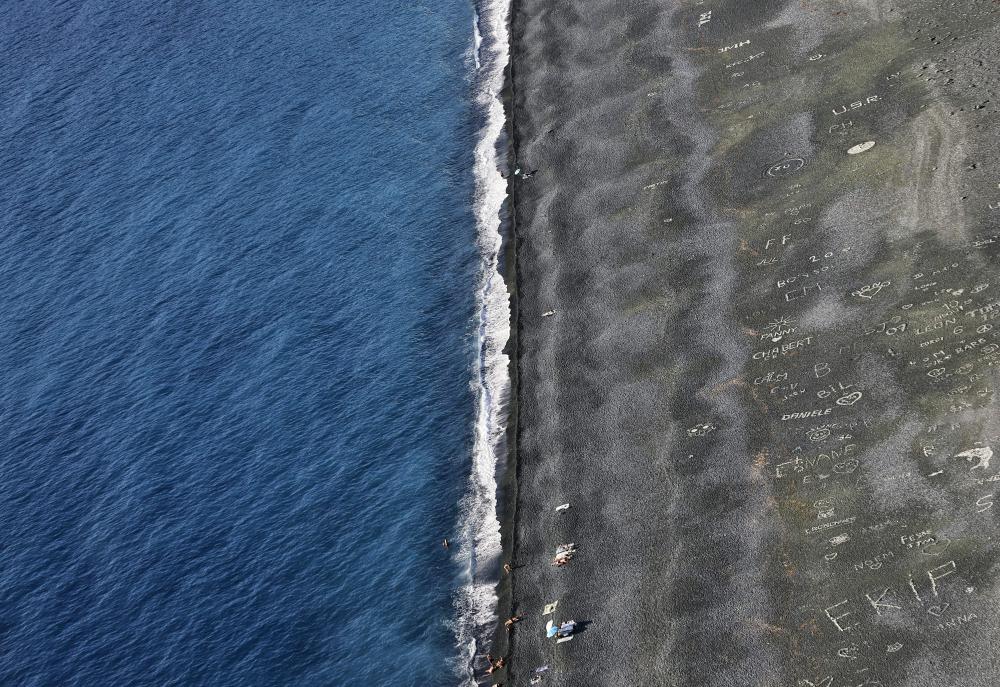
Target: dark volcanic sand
[[769, 388]]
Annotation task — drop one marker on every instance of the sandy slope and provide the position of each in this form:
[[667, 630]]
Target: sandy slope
[[766, 353]]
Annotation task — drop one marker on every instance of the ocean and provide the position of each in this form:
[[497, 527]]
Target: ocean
[[251, 341]]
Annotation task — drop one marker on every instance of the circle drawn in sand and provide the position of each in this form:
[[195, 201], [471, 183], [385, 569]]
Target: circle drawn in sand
[[861, 147], [786, 167]]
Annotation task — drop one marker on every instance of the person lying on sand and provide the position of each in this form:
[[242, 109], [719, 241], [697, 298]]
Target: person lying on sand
[[495, 665], [511, 620]]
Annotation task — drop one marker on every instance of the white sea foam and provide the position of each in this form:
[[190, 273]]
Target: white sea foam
[[476, 602], [477, 39]]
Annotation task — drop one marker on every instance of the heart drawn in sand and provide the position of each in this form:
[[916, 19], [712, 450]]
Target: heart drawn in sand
[[846, 467], [869, 291], [849, 399], [937, 548], [938, 611]]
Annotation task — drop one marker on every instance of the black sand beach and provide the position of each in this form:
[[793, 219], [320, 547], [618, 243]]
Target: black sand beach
[[768, 232]]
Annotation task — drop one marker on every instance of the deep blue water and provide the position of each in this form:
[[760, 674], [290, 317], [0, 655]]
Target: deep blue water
[[237, 271]]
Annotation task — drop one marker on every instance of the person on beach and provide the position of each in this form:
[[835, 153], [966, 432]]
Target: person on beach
[[562, 559], [509, 623], [507, 569]]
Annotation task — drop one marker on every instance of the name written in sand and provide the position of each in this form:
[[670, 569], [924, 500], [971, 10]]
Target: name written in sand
[[870, 344]]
